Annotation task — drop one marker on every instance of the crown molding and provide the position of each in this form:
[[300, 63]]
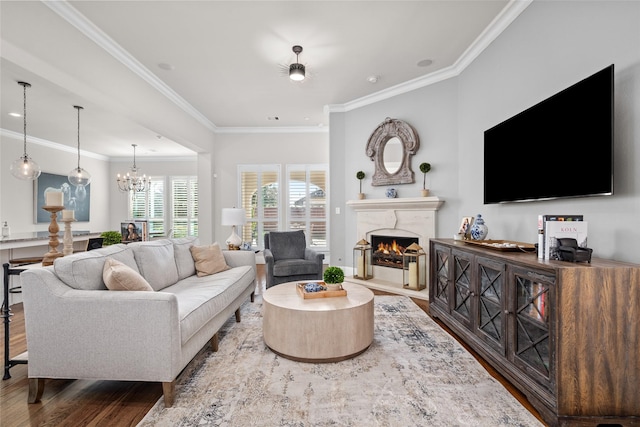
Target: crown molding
[[99, 37], [510, 12], [263, 130]]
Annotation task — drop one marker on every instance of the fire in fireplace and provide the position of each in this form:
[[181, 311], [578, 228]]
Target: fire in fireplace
[[387, 250]]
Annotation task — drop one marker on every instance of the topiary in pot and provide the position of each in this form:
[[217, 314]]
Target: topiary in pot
[[110, 237], [424, 168], [333, 277]]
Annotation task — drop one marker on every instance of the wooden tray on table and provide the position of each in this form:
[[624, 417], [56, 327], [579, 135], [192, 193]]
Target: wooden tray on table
[[321, 294]]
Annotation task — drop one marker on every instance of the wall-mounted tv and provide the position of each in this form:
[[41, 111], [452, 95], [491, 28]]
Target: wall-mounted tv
[[560, 147]]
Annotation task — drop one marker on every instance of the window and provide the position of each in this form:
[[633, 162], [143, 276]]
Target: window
[[260, 198], [304, 195], [307, 202], [168, 208]]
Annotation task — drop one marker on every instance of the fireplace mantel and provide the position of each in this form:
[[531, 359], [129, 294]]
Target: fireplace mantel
[[402, 217], [421, 203]]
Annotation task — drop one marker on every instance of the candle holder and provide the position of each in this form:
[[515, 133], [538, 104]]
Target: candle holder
[[362, 260], [53, 253], [68, 237], [414, 268]]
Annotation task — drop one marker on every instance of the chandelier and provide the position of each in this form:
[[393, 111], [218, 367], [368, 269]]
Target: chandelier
[[24, 167], [131, 182]]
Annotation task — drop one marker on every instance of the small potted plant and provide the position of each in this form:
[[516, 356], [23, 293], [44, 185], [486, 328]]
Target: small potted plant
[[360, 176], [111, 238], [333, 278], [424, 168]]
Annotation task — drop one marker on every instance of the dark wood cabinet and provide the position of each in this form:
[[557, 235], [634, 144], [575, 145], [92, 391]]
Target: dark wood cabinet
[[566, 334]]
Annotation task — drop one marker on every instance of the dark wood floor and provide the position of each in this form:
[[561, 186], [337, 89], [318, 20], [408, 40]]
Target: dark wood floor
[[104, 403]]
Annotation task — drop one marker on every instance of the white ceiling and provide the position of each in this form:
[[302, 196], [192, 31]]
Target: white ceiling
[[229, 63]]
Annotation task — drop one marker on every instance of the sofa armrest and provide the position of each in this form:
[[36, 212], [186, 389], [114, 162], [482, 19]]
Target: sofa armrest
[[99, 334], [241, 258]]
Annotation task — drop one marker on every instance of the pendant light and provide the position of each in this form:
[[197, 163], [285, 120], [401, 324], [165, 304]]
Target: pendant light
[[79, 176], [24, 167], [296, 70]]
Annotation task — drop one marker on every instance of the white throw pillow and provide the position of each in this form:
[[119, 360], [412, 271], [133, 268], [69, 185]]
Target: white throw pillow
[[120, 277], [208, 259]]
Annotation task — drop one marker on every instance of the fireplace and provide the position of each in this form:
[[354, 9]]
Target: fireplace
[[387, 250], [397, 218]]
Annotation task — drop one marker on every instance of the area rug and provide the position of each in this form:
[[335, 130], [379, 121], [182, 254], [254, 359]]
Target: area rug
[[414, 374]]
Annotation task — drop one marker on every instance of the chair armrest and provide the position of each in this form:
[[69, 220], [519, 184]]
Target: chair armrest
[[268, 263], [312, 255]]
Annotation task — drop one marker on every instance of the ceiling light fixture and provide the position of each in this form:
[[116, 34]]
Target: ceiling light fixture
[[296, 70], [131, 182], [24, 167], [78, 176]]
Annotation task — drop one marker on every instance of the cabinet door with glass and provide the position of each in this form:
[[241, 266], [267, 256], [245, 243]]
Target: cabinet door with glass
[[490, 320], [531, 306], [463, 301], [440, 272]]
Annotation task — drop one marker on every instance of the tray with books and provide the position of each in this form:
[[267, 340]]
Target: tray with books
[[503, 245], [319, 294]]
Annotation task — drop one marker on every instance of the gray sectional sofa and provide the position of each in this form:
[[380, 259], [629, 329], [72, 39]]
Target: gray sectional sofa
[[78, 329]]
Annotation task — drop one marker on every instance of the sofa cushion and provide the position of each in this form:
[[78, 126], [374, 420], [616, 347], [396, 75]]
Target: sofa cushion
[[203, 298], [184, 261], [156, 262], [120, 277], [295, 267], [83, 270], [208, 259], [287, 244]]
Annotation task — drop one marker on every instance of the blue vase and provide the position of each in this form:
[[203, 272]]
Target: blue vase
[[392, 193], [479, 229]]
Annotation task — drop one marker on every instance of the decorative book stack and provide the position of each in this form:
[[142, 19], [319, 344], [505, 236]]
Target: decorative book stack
[[553, 227]]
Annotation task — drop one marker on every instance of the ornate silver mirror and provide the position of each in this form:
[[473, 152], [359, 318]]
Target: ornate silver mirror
[[390, 147]]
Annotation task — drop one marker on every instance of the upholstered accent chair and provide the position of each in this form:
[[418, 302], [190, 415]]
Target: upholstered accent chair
[[288, 259]]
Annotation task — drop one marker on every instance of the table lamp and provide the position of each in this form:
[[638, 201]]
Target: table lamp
[[233, 217]]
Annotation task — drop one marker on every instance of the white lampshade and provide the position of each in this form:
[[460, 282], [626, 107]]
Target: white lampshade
[[233, 217]]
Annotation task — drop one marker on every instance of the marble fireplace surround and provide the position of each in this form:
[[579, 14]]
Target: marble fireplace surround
[[401, 217]]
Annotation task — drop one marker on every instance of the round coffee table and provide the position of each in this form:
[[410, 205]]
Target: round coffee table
[[317, 330]]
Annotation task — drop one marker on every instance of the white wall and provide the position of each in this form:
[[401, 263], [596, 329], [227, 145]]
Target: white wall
[[550, 46], [17, 196], [233, 149]]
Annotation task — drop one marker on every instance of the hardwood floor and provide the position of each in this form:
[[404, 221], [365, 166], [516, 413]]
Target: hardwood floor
[[105, 403]]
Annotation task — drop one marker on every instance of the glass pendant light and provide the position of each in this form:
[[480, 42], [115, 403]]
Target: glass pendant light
[[78, 176], [24, 167]]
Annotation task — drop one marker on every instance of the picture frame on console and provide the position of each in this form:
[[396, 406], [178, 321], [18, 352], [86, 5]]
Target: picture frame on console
[[134, 231], [74, 198]]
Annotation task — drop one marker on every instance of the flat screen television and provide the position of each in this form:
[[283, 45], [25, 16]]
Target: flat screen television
[[560, 147]]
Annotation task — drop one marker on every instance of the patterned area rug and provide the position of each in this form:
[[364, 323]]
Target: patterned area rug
[[414, 374]]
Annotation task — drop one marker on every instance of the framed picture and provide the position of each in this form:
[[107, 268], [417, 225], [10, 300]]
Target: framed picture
[[74, 198], [134, 231], [465, 225]]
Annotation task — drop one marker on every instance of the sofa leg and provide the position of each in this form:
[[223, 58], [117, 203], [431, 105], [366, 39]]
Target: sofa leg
[[238, 316], [169, 392], [36, 388], [214, 342], [253, 296]]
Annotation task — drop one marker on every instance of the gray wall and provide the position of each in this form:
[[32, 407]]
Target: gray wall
[[550, 46]]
